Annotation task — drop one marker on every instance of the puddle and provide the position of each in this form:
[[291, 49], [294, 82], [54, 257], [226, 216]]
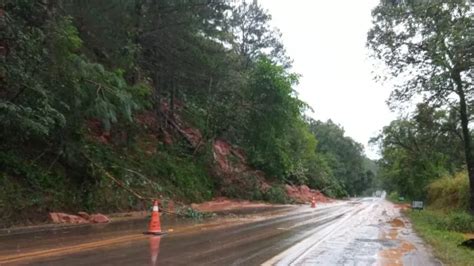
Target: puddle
[[397, 223], [394, 256]]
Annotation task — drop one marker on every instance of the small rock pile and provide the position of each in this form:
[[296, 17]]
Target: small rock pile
[[80, 218]]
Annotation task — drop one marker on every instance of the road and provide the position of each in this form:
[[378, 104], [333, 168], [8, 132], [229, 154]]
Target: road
[[368, 231]]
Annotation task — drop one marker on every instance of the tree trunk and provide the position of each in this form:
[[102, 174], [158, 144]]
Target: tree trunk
[[466, 137], [172, 96], [157, 82], [136, 75]]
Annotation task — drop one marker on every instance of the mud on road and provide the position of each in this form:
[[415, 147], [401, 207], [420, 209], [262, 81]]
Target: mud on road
[[367, 231], [373, 232]]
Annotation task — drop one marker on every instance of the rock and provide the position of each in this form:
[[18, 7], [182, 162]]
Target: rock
[[54, 217], [84, 215], [61, 218], [305, 189], [99, 218]]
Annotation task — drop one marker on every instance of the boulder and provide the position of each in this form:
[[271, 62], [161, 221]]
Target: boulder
[[84, 215], [99, 218], [61, 218]]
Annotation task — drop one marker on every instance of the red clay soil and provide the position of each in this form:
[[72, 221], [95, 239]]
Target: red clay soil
[[231, 165], [81, 218], [225, 204], [97, 132], [403, 206], [223, 152], [397, 223], [303, 194]]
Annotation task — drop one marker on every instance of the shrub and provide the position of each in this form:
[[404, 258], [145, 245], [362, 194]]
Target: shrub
[[276, 194], [450, 192], [393, 196], [458, 221]]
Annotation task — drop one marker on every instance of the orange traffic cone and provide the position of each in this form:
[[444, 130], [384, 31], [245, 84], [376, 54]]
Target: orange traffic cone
[[155, 226], [313, 203], [154, 248]]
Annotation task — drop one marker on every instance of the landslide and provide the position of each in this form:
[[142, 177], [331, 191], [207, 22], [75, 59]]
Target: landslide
[[121, 169]]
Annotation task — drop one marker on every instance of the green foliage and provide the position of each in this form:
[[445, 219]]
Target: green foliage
[[458, 221], [344, 157], [193, 214], [254, 36], [444, 241], [26, 185], [428, 43], [26, 105], [53, 88], [450, 192], [276, 194], [165, 173], [418, 150], [275, 119], [394, 196], [85, 82]]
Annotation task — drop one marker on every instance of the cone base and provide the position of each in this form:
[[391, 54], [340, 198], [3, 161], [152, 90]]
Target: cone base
[[154, 233]]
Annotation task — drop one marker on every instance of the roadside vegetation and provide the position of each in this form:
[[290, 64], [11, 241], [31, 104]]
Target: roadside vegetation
[[428, 152], [429, 44], [105, 101], [443, 231]]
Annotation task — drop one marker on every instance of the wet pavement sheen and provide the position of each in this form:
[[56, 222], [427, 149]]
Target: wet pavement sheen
[[341, 233]]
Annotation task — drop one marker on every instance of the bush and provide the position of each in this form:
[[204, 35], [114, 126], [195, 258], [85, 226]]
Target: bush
[[458, 221], [28, 191], [450, 192], [276, 194], [430, 224], [393, 196]]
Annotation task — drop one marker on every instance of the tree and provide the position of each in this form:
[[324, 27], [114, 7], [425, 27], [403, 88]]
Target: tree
[[344, 156], [429, 48], [418, 149], [272, 115], [253, 36]]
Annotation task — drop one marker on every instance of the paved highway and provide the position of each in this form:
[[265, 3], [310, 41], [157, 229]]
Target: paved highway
[[368, 231]]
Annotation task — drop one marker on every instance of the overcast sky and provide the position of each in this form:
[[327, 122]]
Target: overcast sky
[[326, 40]]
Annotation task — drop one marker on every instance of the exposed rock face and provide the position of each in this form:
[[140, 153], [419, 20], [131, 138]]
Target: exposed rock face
[[234, 173]]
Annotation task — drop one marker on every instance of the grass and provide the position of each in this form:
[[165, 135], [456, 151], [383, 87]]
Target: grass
[[450, 192], [441, 231]]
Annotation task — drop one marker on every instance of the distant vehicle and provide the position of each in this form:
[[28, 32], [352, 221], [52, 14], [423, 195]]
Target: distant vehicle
[[379, 194]]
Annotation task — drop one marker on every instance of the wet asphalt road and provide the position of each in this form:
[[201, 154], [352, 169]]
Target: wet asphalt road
[[296, 235]]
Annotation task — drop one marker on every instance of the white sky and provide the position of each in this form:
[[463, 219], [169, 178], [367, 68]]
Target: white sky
[[326, 39]]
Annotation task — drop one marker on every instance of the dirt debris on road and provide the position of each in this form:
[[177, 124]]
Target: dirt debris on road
[[402, 245], [372, 232], [226, 204], [303, 194]]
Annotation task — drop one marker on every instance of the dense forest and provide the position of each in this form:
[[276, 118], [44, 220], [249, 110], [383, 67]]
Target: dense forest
[[428, 50], [104, 103]]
